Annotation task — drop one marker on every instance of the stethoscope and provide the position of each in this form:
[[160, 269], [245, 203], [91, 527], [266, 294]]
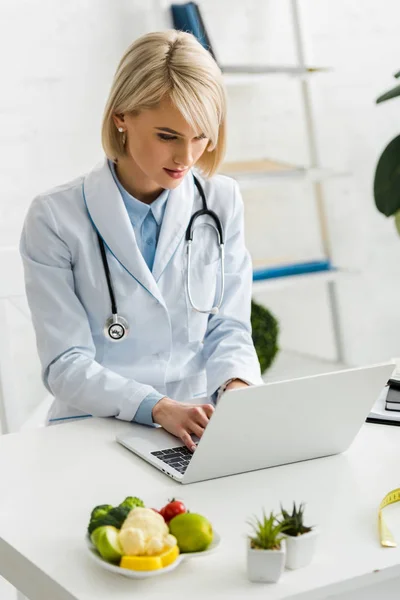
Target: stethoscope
[[116, 327]]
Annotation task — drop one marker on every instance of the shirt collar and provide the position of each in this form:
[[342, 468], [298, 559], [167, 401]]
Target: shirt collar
[[138, 210]]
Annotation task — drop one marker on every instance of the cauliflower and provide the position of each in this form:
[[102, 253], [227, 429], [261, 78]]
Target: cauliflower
[[170, 541], [133, 541], [144, 532], [154, 546]]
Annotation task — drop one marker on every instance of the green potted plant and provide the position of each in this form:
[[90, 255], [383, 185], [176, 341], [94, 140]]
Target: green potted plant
[[387, 172], [265, 549], [265, 332], [300, 539]]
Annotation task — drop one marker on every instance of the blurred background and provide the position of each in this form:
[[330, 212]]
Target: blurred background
[[304, 138]]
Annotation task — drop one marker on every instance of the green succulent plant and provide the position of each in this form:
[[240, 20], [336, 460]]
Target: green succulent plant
[[293, 524], [387, 172], [267, 533], [265, 332]]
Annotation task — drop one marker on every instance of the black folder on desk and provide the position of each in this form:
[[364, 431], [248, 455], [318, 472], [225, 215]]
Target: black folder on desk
[[382, 421]]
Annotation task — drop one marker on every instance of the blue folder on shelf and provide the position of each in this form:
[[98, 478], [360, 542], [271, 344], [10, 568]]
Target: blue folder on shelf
[[187, 17], [315, 266]]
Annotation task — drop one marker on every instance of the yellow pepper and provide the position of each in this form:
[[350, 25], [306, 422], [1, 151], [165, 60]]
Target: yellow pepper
[[150, 563]]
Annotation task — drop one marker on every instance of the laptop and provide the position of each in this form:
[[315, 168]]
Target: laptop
[[251, 427]]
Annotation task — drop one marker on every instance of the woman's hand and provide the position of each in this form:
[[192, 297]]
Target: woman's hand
[[182, 419]]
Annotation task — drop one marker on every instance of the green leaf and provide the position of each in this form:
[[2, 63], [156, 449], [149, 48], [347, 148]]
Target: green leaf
[[397, 75], [267, 532], [389, 95], [397, 221], [293, 524], [387, 179]]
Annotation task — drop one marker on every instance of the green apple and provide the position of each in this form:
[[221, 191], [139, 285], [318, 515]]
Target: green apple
[[193, 532], [107, 543], [96, 534]]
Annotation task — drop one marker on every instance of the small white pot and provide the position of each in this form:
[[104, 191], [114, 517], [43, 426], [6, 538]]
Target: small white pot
[[300, 550], [265, 566]]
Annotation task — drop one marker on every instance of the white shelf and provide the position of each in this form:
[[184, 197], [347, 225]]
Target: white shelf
[[244, 74], [254, 173], [279, 283]]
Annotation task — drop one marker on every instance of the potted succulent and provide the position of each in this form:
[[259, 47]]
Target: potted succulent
[[300, 539], [265, 550]]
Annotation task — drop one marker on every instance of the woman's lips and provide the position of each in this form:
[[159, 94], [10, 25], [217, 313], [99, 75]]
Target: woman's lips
[[175, 174]]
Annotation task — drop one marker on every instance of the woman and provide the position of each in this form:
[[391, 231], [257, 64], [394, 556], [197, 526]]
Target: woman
[[129, 216]]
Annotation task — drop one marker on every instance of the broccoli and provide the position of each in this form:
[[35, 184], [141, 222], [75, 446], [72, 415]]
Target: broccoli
[[132, 502], [105, 514], [100, 511], [115, 517]]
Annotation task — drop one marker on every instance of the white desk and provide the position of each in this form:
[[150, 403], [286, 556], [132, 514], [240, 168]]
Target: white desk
[[52, 478]]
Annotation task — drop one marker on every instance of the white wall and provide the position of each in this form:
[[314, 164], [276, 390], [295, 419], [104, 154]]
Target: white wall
[[58, 61]]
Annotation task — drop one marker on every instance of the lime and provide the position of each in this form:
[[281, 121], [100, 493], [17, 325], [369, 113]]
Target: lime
[[193, 532], [106, 541]]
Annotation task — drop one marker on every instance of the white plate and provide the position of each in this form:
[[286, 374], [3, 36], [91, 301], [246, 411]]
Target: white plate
[[128, 572], [145, 574]]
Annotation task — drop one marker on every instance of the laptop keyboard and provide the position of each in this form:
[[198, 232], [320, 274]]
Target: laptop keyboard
[[178, 458]]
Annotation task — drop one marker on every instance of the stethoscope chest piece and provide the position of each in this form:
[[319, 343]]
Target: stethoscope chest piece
[[116, 328]]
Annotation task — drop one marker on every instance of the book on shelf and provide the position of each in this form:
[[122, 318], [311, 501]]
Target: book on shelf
[[290, 269], [187, 17]]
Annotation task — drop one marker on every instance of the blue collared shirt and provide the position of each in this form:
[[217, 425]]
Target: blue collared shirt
[[146, 221]]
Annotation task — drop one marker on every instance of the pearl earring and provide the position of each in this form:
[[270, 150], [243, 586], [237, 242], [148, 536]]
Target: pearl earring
[[121, 130]]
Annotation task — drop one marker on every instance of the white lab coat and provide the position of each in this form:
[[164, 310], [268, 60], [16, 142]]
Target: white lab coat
[[171, 348]]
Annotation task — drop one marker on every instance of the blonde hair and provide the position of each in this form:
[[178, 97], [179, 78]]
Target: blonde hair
[[169, 63]]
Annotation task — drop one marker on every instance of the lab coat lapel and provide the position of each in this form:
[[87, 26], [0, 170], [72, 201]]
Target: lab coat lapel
[[110, 217], [176, 219]]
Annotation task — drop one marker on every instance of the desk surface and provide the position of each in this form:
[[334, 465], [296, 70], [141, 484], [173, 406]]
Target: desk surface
[[51, 479]]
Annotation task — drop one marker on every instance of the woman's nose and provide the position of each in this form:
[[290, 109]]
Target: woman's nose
[[183, 158]]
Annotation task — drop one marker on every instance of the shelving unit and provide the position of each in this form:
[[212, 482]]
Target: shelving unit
[[264, 170], [258, 172]]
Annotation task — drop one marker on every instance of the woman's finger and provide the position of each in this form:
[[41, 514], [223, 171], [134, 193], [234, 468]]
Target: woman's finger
[[196, 429], [197, 415], [187, 440], [208, 409]]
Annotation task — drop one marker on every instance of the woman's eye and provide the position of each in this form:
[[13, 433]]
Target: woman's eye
[[165, 137]]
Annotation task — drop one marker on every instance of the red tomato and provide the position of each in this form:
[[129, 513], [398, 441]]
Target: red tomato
[[157, 511], [172, 509]]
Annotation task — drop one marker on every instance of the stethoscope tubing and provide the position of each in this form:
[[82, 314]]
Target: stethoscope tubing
[[116, 327]]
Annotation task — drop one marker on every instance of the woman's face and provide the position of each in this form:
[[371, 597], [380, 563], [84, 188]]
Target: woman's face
[[161, 146]]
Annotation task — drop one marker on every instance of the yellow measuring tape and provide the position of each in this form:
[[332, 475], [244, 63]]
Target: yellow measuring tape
[[387, 540]]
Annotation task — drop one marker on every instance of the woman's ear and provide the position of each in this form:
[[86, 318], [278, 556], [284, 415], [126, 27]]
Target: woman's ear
[[119, 120]]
